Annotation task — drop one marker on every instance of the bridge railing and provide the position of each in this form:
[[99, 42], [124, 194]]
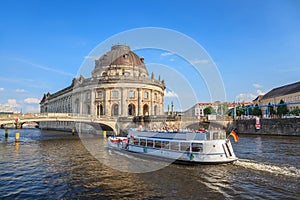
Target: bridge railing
[[52, 115]]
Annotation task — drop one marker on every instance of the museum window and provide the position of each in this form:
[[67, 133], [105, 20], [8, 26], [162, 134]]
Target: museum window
[[115, 110], [88, 110], [155, 110], [131, 94], [155, 96], [115, 94], [100, 94], [146, 95], [88, 95], [131, 109]]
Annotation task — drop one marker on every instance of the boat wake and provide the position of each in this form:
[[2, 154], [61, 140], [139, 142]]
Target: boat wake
[[270, 168]]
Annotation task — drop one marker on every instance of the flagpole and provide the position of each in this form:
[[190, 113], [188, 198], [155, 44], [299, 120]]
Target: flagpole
[[230, 133]]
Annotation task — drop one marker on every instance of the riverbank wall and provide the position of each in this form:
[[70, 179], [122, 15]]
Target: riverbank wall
[[288, 127]]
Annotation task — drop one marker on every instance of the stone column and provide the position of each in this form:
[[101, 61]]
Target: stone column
[[140, 103], [162, 105], [93, 103], [106, 106], [80, 103], [124, 105], [151, 109]]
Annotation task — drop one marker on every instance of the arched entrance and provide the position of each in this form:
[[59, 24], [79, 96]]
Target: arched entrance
[[146, 110], [155, 110], [131, 109], [100, 110], [115, 110]]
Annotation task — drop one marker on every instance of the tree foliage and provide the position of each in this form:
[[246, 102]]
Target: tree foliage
[[295, 111], [271, 109], [208, 110], [282, 109], [256, 111], [241, 110]]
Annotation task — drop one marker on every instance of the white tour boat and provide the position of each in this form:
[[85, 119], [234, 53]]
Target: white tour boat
[[208, 147]]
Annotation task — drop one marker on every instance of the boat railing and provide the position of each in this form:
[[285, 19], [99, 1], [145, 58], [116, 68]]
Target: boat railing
[[216, 135]]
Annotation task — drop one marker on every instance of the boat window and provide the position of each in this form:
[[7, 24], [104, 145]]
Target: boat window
[[215, 135], [185, 146], [157, 144], [136, 141], [142, 142], [174, 146], [197, 147], [165, 144], [149, 143]]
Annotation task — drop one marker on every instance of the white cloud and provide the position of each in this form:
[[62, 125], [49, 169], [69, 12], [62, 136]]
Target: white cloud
[[32, 100], [256, 85], [12, 102], [166, 54], [172, 59], [90, 57], [248, 97], [245, 97], [20, 90], [199, 61], [1, 89], [32, 109], [170, 94], [259, 92]]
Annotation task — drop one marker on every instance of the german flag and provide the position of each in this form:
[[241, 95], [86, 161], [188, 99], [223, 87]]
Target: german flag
[[234, 135]]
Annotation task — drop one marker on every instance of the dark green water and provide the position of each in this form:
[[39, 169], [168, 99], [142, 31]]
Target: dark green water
[[56, 165]]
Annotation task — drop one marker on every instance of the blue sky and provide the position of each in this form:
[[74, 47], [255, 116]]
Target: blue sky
[[254, 44]]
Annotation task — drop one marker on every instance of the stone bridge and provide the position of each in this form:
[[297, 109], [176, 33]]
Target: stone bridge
[[116, 125], [20, 119]]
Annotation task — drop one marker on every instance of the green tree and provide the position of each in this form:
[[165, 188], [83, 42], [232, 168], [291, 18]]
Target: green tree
[[295, 111], [271, 109], [282, 109], [208, 110], [256, 111], [241, 110]]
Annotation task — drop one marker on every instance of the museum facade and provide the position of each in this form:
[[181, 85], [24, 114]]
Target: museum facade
[[119, 85]]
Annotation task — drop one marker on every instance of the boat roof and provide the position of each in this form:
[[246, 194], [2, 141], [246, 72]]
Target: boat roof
[[170, 139], [169, 136]]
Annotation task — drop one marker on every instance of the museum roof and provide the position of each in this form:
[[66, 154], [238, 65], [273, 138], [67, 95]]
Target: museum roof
[[120, 55], [283, 90]]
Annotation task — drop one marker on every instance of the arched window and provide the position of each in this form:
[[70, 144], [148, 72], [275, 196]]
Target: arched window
[[100, 110], [115, 110], [131, 109], [146, 110], [88, 109], [155, 110]]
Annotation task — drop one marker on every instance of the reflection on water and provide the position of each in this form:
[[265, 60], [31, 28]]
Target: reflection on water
[[56, 165], [121, 161]]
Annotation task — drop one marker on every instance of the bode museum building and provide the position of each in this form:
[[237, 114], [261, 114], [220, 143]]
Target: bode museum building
[[119, 85]]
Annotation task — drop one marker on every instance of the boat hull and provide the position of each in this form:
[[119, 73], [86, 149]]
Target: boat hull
[[214, 152]]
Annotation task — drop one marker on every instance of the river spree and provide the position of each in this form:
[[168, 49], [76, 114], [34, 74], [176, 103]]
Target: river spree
[[56, 165]]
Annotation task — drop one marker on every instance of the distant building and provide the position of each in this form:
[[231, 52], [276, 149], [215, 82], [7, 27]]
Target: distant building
[[288, 93], [119, 86], [220, 108], [6, 109]]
